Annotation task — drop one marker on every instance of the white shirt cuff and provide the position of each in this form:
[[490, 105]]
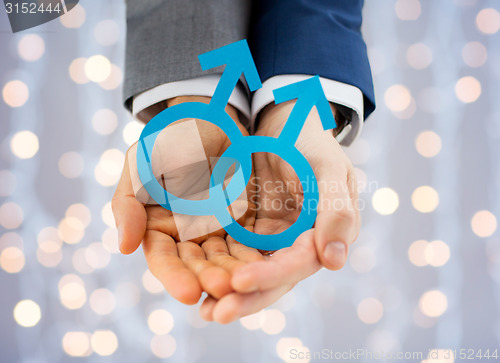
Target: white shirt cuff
[[336, 92], [198, 86]]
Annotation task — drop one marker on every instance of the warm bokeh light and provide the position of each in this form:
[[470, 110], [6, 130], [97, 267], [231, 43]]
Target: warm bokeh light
[[97, 256], [416, 253], [48, 234], [24, 144], [425, 199], [97, 68], [104, 121], [132, 131], [362, 259], [151, 283], [420, 277], [11, 239], [77, 344], [109, 169], [433, 303], [114, 80], [397, 98], [7, 183], [422, 320], [419, 56], [385, 201], [107, 32], [74, 18], [160, 322], [12, 260], [15, 93], [77, 71], [49, 253], [253, 321], [440, 356], [110, 240], [274, 322], [408, 9], [79, 261], [72, 292], [474, 54], [163, 346], [468, 89], [71, 230], [50, 246], [428, 144], [27, 313], [107, 215], [285, 346], [488, 21], [71, 164], [407, 112], [484, 223], [11, 215], [104, 342], [102, 301], [370, 310], [31, 47], [81, 212], [437, 253]]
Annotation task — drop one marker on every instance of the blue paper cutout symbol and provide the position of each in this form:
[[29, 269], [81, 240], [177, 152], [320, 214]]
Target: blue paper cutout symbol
[[238, 60]]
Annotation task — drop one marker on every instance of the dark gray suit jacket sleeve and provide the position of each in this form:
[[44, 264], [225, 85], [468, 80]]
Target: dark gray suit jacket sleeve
[[165, 37]]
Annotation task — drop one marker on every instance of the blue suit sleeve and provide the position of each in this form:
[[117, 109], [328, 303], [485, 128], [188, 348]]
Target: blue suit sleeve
[[317, 37]]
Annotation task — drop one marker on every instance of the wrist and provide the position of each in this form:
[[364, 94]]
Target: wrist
[[147, 114], [273, 117]]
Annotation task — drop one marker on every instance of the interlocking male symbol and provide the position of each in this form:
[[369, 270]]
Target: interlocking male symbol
[[238, 60]]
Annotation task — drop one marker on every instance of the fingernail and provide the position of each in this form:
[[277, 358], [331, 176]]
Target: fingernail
[[335, 253], [120, 236]]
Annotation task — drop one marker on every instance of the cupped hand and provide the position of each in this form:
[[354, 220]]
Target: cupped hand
[[280, 195], [187, 254]]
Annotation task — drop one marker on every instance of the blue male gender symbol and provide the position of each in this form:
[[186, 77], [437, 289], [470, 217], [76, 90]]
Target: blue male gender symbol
[[238, 60]]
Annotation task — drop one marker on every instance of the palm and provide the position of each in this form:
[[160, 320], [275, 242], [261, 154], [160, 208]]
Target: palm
[[279, 203], [203, 255], [238, 279]]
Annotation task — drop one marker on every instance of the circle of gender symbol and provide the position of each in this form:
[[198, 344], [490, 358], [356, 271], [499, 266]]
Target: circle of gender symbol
[[308, 93]]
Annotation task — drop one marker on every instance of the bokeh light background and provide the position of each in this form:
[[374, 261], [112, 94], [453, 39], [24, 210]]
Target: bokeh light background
[[423, 274]]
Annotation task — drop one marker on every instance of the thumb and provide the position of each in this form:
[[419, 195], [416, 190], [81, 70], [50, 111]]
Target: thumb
[[338, 222], [130, 215]]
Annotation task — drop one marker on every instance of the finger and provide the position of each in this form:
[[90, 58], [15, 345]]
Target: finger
[[242, 252], [237, 305], [217, 252], [164, 262], [286, 266], [215, 280], [130, 215], [207, 308], [337, 223], [352, 184]]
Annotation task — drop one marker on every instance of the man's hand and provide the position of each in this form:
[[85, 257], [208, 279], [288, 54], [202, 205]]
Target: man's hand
[[239, 279], [259, 284], [186, 268]]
